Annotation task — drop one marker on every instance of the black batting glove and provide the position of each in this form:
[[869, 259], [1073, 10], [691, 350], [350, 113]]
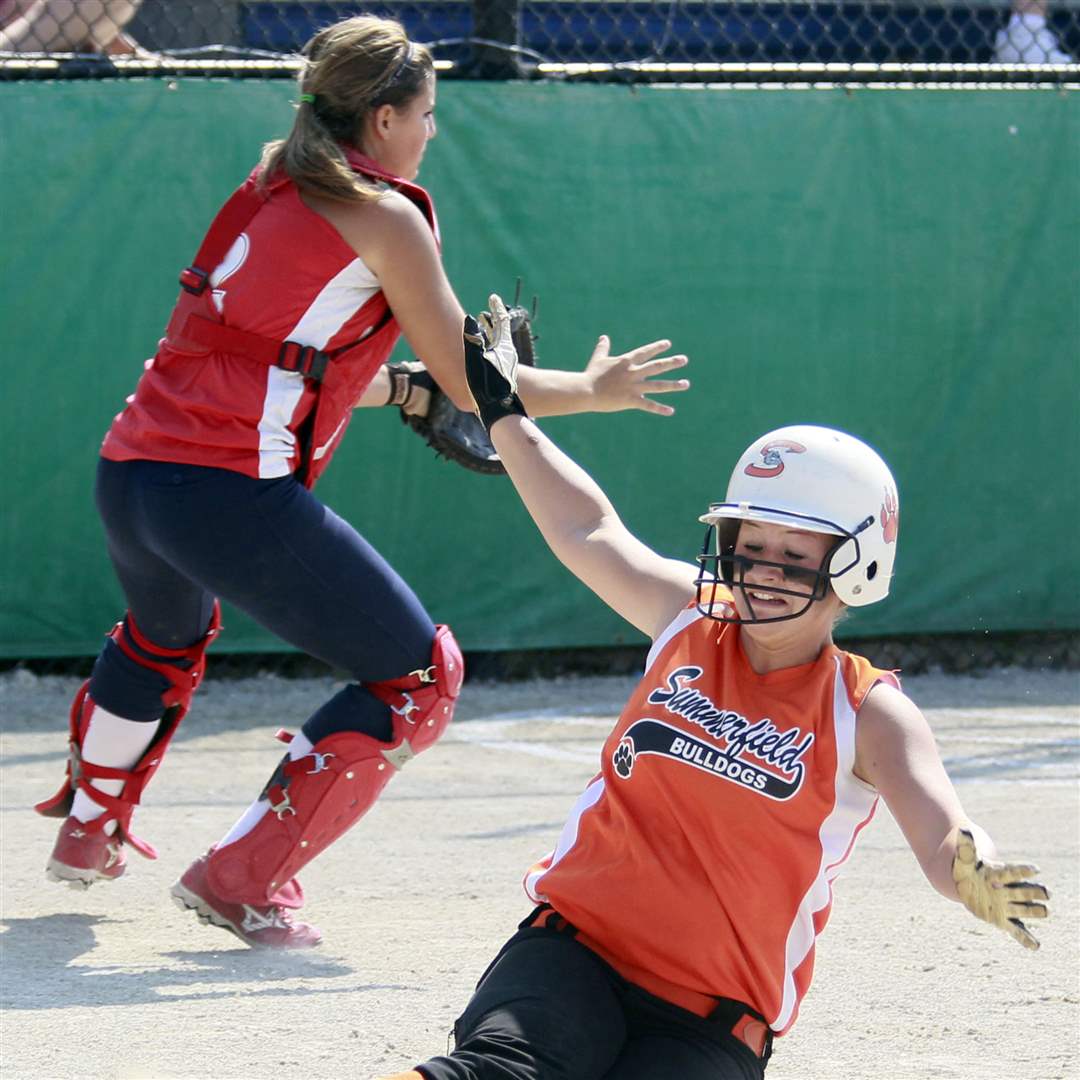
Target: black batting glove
[[491, 364]]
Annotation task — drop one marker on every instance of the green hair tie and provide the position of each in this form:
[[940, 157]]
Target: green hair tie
[[308, 98]]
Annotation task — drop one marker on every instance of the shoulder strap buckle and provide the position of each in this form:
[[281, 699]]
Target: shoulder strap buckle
[[194, 280]]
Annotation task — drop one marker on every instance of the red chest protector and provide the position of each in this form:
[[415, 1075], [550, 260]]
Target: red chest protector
[[340, 375]]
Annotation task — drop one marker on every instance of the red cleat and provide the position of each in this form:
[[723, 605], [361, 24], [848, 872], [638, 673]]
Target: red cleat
[[83, 854], [266, 926]]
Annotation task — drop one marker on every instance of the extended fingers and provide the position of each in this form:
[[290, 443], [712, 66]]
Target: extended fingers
[[1024, 900], [648, 368], [649, 385], [648, 405], [1020, 932], [644, 353], [665, 386], [601, 349], [1027, 890], [1026, 909], [1007, 873]]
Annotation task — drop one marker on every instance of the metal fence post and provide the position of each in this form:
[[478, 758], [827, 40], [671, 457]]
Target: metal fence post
[[497, 25]]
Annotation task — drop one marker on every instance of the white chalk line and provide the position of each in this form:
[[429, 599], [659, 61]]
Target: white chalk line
[[1007, 740], [1002, 712]]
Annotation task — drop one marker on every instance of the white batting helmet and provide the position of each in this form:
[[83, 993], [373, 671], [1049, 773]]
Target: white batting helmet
[[823, 481]]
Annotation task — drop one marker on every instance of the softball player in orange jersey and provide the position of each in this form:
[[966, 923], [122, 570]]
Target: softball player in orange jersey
[[677, 915]]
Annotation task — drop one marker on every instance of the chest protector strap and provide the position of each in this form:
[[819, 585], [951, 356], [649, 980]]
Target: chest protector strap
[[196, 322], [197, 327]]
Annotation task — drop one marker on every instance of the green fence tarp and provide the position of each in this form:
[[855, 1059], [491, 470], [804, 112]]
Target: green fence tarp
[[902, 264]]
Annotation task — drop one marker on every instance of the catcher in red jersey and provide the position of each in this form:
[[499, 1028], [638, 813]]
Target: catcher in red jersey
[[675, 920], [285, 320]]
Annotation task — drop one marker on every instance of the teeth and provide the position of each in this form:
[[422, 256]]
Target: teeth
[[763, 596]]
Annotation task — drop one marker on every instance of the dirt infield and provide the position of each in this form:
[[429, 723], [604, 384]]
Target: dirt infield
[[116, 982]]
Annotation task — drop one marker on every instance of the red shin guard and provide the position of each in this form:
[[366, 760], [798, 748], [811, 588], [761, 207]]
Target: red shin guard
[[176, 699], [318, 797]]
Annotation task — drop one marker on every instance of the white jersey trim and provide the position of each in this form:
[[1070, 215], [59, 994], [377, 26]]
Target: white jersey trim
[[338, 301], [567, 839], [277, 444], [679, 623], [341, 298], [853, 807]]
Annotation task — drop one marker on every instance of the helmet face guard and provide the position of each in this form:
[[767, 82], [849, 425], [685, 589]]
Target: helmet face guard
[[721, 566]]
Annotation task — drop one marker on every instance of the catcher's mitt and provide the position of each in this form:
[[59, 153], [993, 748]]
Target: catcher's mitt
[[455, 435]]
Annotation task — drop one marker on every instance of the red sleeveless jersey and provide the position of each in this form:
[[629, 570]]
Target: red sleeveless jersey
[[699, 861], [288, 276]]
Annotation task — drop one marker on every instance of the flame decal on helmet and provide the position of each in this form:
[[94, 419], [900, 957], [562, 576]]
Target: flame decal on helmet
[[771, 454], [890, 517]]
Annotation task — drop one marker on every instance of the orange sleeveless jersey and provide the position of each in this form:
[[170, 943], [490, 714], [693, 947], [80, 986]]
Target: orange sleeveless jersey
[[699, 862]]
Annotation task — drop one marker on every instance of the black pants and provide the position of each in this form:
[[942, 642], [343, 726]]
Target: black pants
[[549, 1008]]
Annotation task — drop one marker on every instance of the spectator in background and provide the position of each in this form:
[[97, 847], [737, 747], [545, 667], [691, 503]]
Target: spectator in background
[[1026, 38], [81, 26]]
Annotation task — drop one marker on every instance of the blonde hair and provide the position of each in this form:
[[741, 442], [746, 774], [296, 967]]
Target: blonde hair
[[352, 68]]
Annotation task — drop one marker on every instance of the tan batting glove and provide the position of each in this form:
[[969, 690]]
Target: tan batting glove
[[998, 893]]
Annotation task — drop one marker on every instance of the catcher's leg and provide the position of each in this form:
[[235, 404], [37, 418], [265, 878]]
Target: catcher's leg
[[122, 720], [247, 883], [111, 758], [276, 552]]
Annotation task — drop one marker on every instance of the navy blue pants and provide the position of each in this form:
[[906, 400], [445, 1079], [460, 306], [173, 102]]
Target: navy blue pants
[[549, 1008], [180, 536]]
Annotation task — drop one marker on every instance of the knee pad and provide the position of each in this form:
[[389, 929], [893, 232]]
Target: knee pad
[[182, 668], [422, 702], [316, 798]]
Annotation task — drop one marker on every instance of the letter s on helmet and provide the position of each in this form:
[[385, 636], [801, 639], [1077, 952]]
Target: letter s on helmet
[[824, 481]]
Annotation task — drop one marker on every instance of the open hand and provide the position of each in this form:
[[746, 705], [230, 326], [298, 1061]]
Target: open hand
[[625, 381], [998, 893]]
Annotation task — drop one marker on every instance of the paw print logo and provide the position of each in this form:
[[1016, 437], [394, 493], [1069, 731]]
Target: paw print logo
[[890, 516], [623, 758]]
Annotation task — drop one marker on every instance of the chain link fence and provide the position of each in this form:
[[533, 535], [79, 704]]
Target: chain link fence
[[632, 40]]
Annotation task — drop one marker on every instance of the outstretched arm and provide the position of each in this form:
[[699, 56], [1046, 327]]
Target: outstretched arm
[[608, 384], [896, 752], [397, 245], [586, 534], [572, 512]]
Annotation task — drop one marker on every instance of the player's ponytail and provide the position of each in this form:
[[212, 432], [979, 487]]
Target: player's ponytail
[[352, 67]]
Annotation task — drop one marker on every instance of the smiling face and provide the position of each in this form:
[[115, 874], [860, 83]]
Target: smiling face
[[764, 592], [396, 135]]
